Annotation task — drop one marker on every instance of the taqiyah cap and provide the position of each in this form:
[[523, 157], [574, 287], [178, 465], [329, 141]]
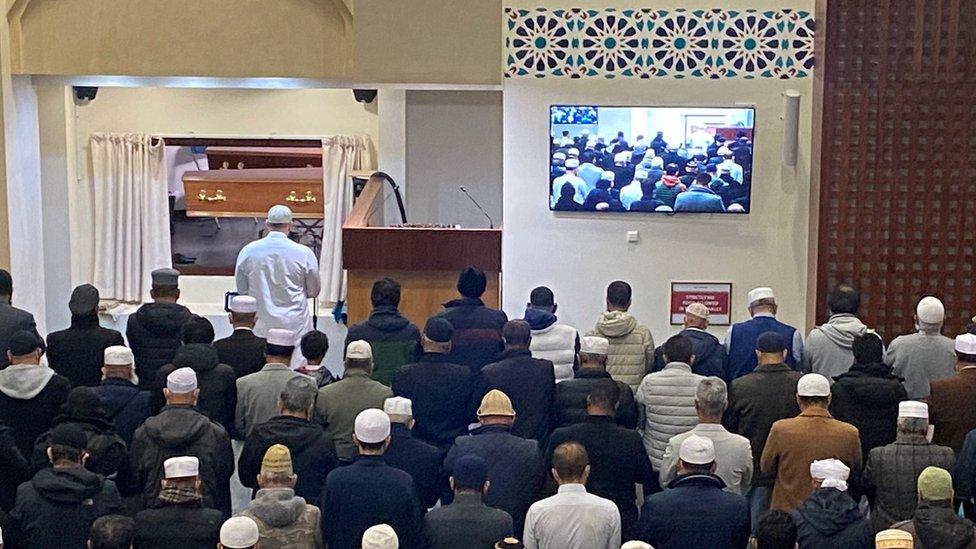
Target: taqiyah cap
[[813, 385], [372, 426], [239, 533]]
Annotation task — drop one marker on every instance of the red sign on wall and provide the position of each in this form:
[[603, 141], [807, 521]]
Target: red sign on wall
[[717, 296]]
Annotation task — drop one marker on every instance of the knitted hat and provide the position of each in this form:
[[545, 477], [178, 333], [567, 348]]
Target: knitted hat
[[277, 460]]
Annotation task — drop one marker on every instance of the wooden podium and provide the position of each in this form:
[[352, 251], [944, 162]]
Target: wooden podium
[[425, 261]]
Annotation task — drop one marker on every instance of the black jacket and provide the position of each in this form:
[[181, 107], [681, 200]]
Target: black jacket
[[182, 526], [126, 405], [27, 410], [106, 450], [477, 332], [243, 351], [420, 460], [182, 431], [830, 519], [710, 355], [394, 339], [936, 526], [154, 332], [366, 493], [441, 393], [13, 320], [58, 506], [78, 352], [530, 383], [867, 397], [217, 383], [313, 454], [570, 399], [618, 461], [467, 524], [14, 469], [515, 468], [695, 511]]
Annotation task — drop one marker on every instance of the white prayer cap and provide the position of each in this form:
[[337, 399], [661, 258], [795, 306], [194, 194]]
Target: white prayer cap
[[181, 467], [602, 207], [591, 144], [930, 310], [608, 175], [182, 381], [573, 152], [913, 408], [572, 163], [239, 533], [966, 344], [636, 545], [657, 162], [760, 293], [279, 214], [359, 349], [566, 141], [585, 132], [813, 385], [119, 355], [724, 151], [664, 208], [398, 406], [559, 156], [594, 345], [640, 173], [823, 469], [697, 450], [381, 536], [372, 425], [622, 156], [281, 337], [697, 309], [243, 304]]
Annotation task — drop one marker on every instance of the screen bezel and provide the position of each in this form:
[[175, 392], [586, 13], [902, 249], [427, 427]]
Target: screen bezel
[[755, 126]]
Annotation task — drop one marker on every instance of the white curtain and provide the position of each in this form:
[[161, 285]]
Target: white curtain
[[340, 155], [131, 214]]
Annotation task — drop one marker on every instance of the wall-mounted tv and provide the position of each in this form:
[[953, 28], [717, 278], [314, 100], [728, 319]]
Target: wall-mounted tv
[[650, 159]]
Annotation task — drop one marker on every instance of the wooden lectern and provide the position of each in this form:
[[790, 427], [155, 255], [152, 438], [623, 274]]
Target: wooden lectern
[[425, 261]]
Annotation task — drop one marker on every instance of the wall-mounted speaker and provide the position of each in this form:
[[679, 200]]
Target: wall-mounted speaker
[[364, 96], [791, 126], [85, 93]]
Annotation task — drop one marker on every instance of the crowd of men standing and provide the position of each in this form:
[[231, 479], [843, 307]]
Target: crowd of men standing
[[588, 174], [480, 431]]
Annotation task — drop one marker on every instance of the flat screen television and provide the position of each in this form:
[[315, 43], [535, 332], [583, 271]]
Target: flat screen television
[[651, 159]]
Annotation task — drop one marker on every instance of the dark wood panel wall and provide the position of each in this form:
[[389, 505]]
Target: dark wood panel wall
[[898, 157]]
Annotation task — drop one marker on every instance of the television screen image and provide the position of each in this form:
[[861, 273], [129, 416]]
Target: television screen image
[[650, 159]]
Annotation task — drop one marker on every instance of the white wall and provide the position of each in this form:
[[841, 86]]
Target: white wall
[[204, 112], [578, 255], [454, 138]]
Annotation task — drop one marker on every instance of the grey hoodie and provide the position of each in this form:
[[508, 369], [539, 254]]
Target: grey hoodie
[[24, 381], [828, 348], [284, 520]]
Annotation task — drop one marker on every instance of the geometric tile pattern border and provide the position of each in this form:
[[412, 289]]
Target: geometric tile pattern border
[[645, 43]]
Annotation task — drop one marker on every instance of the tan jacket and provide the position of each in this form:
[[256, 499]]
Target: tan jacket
[[631, 347], [794, 444]]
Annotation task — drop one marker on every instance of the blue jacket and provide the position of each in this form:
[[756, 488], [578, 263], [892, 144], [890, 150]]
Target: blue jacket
[[366, 493], [515, 468], [742, 348], [830, 519], [698, 199], [126, 405], [710, 355], [695, 511], [477, 332]]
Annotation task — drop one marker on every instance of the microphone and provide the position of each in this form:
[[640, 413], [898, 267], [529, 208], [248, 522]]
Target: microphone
[[491, 224]]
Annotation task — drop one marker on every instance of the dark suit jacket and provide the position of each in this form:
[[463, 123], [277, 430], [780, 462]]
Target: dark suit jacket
[[421, 460], [531, 384], [243, 351], [467, 524], [78, 352], [13, 320], [952, 408]]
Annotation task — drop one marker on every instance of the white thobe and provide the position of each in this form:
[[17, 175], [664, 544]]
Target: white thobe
[[281, 275]]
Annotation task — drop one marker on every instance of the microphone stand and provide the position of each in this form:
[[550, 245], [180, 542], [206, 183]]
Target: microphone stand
[[491, 224]]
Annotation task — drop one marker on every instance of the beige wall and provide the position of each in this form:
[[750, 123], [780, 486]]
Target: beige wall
[[415, 41]]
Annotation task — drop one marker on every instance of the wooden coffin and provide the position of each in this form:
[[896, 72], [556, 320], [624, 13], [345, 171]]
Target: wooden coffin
[[250, 193], [248, 158]]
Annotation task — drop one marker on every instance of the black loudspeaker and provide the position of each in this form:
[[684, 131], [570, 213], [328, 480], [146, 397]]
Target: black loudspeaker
[[85, 93], [364, 96]]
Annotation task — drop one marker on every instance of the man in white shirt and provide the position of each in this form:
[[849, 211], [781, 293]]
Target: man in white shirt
[[572, 167], [735, 170], [573, 518], [281, 275]]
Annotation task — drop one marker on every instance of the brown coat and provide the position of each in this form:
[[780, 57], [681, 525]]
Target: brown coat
[[952, 408], [795, 443]]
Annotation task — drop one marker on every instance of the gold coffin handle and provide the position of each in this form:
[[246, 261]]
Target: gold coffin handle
[[217, 197], [293, 198]]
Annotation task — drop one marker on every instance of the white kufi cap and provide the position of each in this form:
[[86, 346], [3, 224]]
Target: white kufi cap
[[381, 536], [182, 381], [760, 293], [832, 472], [181, 467], [594, 345], [572, 163], [243, 304], [359, 349], [930, 310], [697, 450], [398, 406], [281, 338], [966, 344], [913, 408], [119, 355], [279, 214], [813, 385], [239, 532], [372, 426]]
